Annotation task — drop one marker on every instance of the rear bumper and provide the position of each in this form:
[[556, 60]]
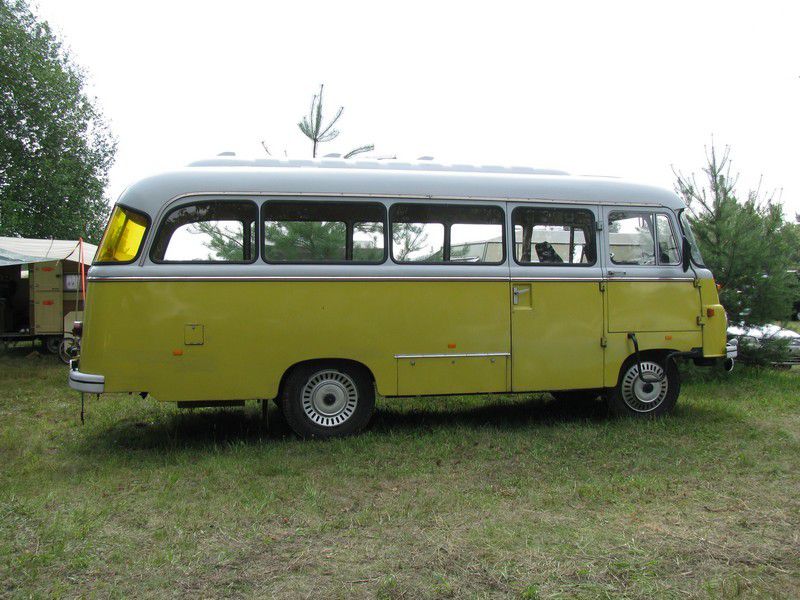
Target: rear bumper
[[732, 349], [85, 382]]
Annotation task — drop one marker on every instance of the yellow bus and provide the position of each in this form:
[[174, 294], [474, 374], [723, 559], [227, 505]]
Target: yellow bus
[[321, 283]]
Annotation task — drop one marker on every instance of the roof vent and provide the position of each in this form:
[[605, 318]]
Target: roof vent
[[425, 158], [228, 153]]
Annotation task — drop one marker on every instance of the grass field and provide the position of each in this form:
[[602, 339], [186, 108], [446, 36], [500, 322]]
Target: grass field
[[519, 497]]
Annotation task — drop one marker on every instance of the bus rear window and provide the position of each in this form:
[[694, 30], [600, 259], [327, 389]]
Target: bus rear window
[[123, 237]]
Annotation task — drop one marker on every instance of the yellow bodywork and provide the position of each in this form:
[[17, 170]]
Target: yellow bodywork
[[233, 340]]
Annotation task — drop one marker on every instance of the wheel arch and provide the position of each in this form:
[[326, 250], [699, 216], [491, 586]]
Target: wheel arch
[[654, 354], [332, 361]]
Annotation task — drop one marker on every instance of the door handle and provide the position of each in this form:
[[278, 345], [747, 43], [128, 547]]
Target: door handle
[[617, 273], [516, 293]]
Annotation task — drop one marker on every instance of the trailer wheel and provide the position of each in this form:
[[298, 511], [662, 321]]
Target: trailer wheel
[[328, 399], [68, 349], [51, 343]]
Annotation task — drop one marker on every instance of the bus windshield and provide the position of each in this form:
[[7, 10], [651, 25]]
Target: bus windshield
[[123, 236]]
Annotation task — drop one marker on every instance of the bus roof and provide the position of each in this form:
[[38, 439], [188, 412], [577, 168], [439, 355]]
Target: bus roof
[[387, 179]]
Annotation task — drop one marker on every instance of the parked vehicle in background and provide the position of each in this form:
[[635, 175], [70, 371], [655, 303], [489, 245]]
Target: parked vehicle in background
[[796, 305], [318, 283], [40, 291], [784, 353]]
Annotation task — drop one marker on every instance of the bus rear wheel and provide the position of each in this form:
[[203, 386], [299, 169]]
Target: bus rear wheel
[[330, 399], [653, 395]]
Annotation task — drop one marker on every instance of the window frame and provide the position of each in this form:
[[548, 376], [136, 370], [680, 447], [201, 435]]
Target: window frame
[[374, 203], [656, 250], [592, 223], [447, 234], [675, 238], [194, 201], [684, 212], [142, 244]]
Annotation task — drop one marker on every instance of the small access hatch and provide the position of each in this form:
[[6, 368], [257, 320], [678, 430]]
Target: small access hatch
[[193, 334]]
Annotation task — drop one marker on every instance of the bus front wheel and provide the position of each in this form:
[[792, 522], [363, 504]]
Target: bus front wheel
[[325, 400], [652, 395]]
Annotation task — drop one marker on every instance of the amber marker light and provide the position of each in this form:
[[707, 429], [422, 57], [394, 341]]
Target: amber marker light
[[709, 312], [177, 353]]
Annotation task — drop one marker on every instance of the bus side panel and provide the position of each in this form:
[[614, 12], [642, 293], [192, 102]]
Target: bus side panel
[[225, 340], [653, 306]]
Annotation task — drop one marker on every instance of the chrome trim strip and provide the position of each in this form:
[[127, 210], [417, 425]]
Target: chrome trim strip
[[626, 279], [296, 278], [645, 205], [468, 355], [376, 278], [534, 279]]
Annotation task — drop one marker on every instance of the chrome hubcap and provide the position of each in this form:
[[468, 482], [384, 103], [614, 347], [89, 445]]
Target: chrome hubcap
[[329, 398], [644, 396]]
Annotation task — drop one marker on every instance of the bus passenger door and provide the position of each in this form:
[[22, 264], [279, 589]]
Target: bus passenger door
[[556, 298]]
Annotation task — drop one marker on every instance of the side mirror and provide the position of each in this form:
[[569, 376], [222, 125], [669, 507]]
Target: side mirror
[[687, 254]]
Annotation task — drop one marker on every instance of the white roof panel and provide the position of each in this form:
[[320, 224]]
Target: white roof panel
[[14, 251]]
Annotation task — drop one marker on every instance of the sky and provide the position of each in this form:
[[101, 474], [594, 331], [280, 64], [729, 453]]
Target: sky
[[628, 89]]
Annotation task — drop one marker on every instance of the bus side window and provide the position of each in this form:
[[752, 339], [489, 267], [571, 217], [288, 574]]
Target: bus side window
[[667, 245], [447, 233], [324, 232], [631, 238], [554, 236], [215, 231]]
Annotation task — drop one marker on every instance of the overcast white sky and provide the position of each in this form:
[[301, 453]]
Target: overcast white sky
[[611, 88]]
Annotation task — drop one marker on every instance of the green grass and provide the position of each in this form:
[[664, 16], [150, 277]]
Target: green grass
[[520, 497]]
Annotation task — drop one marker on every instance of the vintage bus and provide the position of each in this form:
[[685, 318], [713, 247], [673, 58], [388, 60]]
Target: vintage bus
[[319, 283]]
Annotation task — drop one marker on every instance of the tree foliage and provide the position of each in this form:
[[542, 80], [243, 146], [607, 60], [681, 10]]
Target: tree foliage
[[318, 132], [55, 148], [745, 242]]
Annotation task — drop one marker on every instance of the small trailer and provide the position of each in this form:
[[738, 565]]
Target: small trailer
[[41, 289]]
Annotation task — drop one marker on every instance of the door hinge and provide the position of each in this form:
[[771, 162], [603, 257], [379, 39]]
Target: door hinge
[[599, 226], [696, 282], [701, 320], [602, 286], [603, 342]]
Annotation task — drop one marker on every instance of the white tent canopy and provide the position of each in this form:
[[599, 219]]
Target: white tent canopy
[[18, 251]]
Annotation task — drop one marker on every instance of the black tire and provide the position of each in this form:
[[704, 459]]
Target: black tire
[[64, 350], [576, 395], [328, 399], [634, 398], [51, 343]]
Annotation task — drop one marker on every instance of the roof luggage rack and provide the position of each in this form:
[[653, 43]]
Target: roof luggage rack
[[230, 160]]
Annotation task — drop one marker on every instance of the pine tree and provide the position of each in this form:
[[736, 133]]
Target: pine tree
[[313, 128], [746, 243]]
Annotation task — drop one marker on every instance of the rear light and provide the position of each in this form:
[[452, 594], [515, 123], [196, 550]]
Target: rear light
[[77, 328]]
